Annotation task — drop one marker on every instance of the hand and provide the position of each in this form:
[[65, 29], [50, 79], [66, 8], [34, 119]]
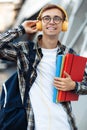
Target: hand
[[64, 84], [30, 26]]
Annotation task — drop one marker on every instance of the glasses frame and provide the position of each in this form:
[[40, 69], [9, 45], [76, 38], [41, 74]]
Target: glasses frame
[[54, 20]]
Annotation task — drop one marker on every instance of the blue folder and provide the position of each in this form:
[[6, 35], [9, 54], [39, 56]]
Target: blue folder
[[58, 72]]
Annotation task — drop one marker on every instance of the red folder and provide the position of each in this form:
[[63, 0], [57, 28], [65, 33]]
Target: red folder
[[74, 65]]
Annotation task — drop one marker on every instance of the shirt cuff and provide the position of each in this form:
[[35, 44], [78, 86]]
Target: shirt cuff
[[21, 29], [76, 87]]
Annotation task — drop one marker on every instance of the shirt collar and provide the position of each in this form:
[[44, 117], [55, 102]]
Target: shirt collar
[[60, 50]]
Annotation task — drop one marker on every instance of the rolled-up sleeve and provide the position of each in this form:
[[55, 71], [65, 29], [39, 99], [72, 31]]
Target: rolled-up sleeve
[[7, 47]]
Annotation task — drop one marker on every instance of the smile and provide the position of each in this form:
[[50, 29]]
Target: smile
[[51, 28]]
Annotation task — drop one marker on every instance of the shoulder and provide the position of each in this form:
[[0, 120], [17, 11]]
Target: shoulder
[[24, 43], [68, 50]]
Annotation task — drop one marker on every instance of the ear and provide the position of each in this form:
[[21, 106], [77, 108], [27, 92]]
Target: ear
[[39, 25], [65, 26]]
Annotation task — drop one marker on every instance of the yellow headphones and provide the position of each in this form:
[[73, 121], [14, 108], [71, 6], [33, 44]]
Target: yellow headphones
[[64, 25]]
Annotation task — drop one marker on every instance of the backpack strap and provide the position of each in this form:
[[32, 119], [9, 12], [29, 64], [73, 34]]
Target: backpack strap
[[10, 94]]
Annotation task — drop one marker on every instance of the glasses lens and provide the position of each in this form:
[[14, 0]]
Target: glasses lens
[[46, 19], [57, 19]]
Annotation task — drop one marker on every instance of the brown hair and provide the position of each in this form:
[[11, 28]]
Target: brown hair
[[52, 6]]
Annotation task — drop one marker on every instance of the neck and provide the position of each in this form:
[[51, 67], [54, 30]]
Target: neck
[[49, 42]]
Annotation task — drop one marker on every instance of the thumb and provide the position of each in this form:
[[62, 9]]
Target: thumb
[[66, 74]]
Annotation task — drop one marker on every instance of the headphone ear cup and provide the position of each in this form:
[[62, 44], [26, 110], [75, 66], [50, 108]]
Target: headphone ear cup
[[39, 26], [65, 26]]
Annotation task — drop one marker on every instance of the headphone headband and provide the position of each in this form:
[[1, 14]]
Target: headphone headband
[[54, 6], [64, 11]]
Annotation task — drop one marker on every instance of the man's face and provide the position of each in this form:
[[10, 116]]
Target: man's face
[[52, 22]]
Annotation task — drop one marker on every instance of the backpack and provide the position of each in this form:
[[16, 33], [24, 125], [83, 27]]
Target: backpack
[[12, 111]]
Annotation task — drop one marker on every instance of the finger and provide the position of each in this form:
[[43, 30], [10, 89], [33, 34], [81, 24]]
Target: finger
[[59, 79], [59, 87], [33, 27], [31, 23], [62, 89], [66, 74], [35, 30], [59, 84]]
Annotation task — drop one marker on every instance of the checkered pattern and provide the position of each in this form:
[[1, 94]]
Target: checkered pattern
[[27, 55]]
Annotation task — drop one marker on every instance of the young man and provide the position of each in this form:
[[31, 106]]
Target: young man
[[36, 66]]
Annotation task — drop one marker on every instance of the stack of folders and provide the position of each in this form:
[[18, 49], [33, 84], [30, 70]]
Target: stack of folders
[[74, 65]]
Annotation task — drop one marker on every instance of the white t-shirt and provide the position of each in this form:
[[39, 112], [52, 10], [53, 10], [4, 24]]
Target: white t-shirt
[[48, 115]]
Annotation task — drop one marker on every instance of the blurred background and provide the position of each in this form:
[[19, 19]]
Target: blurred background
[[14, 12]]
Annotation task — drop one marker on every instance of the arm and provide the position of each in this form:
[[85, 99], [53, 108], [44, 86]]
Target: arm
[[76, 87], [67, 84], [8, 50]]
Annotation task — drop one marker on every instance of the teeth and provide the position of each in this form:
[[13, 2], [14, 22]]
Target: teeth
[[51, 28]]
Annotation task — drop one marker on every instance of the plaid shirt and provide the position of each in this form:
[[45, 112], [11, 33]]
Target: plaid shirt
[[27, 56]]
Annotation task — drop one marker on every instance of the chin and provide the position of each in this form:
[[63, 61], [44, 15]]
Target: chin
[[52, 34]]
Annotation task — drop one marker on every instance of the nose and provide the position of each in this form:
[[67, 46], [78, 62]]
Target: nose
[[51, 20]]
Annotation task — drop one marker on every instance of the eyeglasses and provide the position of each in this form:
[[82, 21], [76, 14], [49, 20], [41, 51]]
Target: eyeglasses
[[56, 19]]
